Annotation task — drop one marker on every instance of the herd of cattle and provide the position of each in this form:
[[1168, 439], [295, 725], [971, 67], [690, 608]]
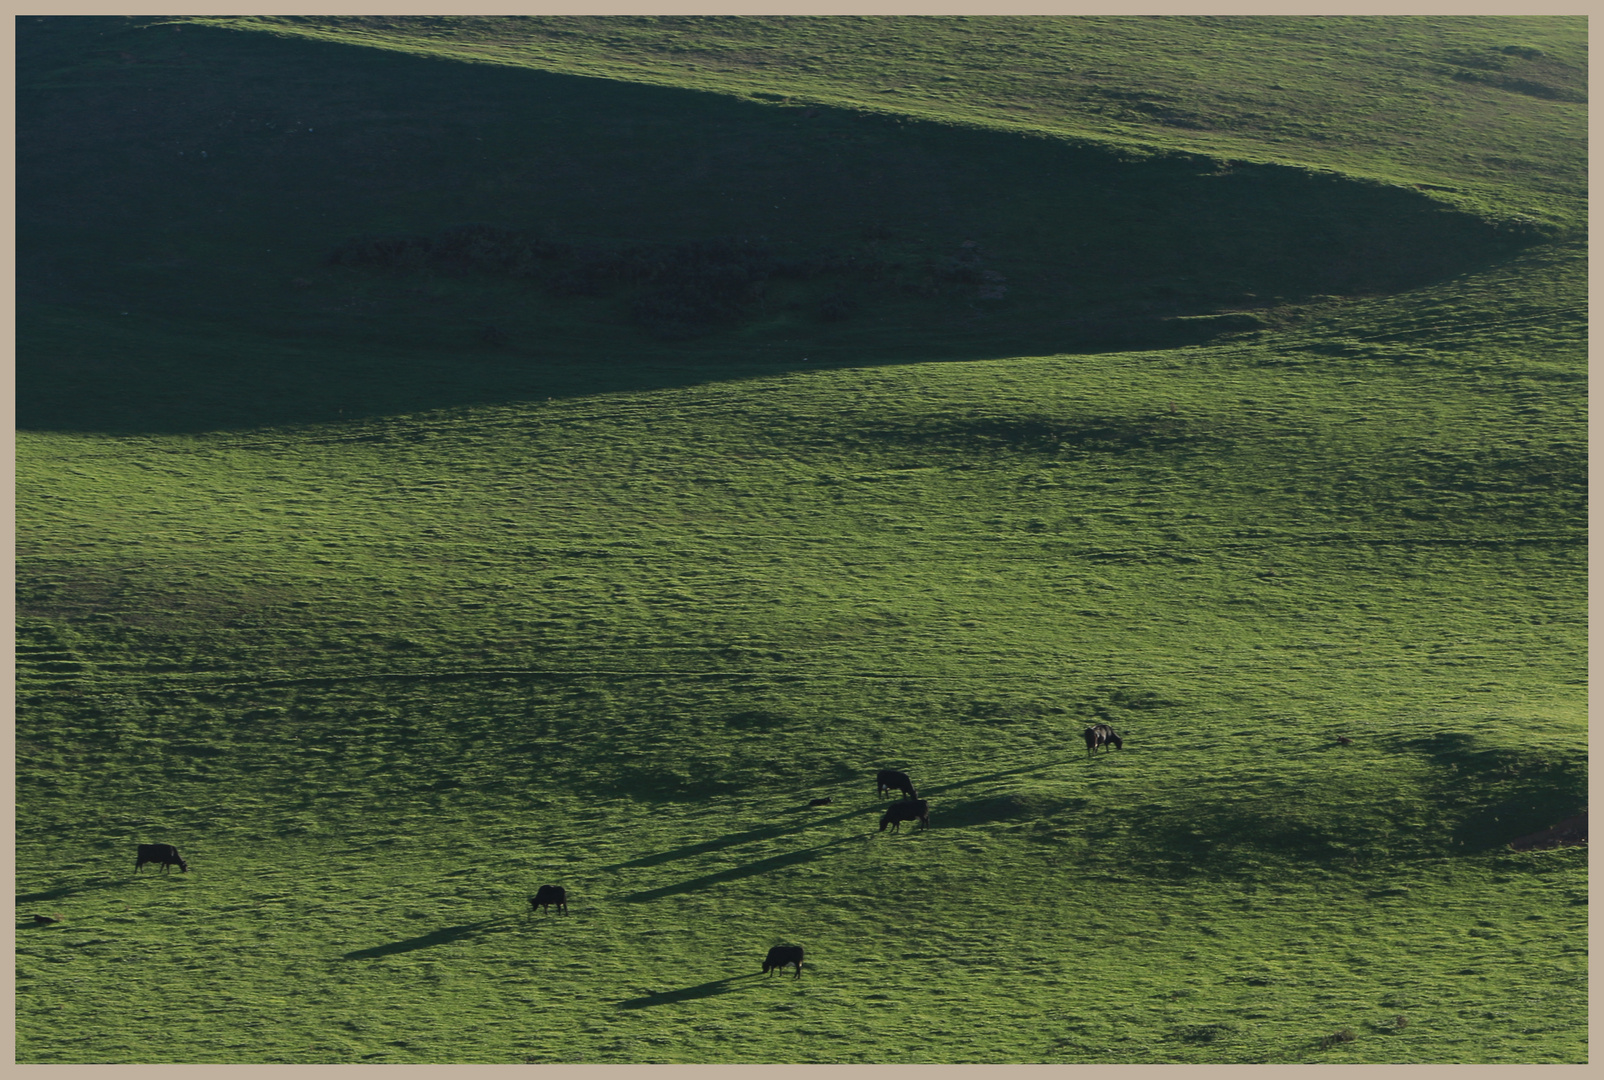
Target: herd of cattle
[[910, 808]]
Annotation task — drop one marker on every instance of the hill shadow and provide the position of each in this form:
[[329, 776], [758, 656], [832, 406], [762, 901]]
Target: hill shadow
[[223, 230]]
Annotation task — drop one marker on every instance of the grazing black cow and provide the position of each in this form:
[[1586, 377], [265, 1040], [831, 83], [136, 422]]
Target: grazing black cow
[[166, 854], [549, 895], [781, 955], [46, 920], [821, 802], [1101, 735], [906, 810], [891, 780]]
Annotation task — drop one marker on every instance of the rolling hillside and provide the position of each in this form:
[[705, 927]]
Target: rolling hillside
[[461, 455]]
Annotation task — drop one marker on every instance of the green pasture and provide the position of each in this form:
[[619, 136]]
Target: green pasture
[[558, 450]]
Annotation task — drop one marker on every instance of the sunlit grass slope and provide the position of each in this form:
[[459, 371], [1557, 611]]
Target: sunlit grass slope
[[392, 569]]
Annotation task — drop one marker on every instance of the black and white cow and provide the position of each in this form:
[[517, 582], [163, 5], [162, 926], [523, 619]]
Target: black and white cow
[[891, 780], [1101, 735]]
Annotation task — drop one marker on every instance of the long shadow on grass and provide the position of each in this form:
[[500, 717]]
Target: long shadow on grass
[[65, 890], [770, 832], [767, 832], [690, 993], [762, 866], [438, 937]]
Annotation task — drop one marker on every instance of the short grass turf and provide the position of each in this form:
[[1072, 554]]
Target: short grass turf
[[385, 621]]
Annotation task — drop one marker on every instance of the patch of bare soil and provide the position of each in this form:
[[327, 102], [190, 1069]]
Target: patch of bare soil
[[1570, 831]]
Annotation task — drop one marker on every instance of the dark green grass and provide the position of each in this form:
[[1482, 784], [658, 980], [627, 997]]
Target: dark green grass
[[385, 625], [1485, 111], [953, 243]]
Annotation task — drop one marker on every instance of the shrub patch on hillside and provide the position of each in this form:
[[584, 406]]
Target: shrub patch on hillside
[[669, 290]]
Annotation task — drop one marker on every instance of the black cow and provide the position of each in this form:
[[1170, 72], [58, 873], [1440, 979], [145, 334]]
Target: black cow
[[906, 810], [166, 854], [891, 780], [549, 895], [821, 802], [781, 955], [1101, 735]]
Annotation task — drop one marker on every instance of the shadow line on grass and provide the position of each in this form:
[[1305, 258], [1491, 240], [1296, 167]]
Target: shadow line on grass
[[766, 832], [762, 866], [689, 993], [65, 890], [438, 937], [771, 832]]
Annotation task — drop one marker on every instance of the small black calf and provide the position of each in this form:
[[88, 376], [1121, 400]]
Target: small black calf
[[549, 895], [821, 802], [1101, 735], [891, 780], [166, 854], [781, 955], [906, 810]]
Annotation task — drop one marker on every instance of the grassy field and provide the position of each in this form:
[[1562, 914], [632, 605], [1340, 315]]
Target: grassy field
[[441, 478]]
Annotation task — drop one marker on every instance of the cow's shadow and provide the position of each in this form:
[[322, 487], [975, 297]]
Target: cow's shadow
[[765, 832], [762, 866], [425, 941], [66, 890], [689, 993], [773, 832]]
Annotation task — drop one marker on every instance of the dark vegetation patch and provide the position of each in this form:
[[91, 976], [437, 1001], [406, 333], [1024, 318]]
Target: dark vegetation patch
[[670, 290], [1559, 467], [1336, 1038], [1231, 836], [1519, 69], [1568, 832], [1007, 807], [1042, 435], [1480, 799], [1205, 1034], [1491, 795]]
